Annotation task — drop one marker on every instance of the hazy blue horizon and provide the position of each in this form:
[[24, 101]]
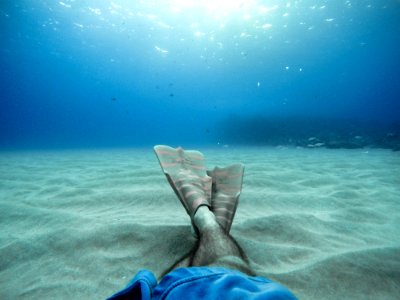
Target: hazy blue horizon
[[136, 73]]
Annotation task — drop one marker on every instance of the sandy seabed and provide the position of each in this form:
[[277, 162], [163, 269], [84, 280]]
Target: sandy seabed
[[80, 224]]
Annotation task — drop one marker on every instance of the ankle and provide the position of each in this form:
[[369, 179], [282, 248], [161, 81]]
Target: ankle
[[204, 218]]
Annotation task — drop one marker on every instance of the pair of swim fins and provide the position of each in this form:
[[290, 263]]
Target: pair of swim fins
[[194, 185]]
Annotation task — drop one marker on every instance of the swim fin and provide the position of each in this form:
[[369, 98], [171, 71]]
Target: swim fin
[[187, 176], [226, 189]]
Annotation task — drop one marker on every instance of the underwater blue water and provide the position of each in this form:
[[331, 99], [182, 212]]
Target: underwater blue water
[[136, 73]]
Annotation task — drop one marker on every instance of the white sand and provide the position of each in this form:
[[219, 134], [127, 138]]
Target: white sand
[[79, 224]]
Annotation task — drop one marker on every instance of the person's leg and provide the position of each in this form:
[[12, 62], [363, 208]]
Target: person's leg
[[215, 247], [197, 191]]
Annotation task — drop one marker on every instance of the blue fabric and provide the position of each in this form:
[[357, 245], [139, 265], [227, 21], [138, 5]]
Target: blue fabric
[[204, 283], [140, 287]]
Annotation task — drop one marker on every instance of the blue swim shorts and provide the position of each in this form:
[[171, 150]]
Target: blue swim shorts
[[202, 283]]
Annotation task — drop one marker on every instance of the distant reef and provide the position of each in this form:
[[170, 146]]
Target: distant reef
[[309, 132]]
